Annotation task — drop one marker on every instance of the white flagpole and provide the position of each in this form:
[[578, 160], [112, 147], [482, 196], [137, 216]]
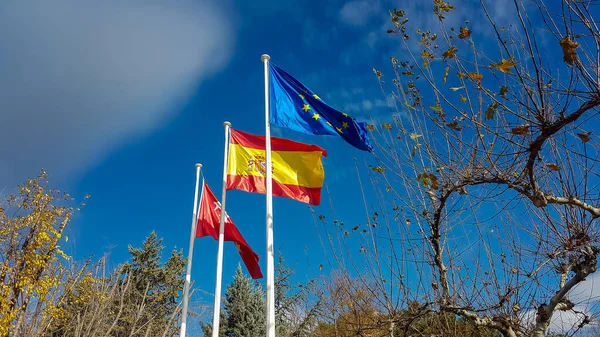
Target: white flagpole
[[217, 308], [269, 192], [188, 276]]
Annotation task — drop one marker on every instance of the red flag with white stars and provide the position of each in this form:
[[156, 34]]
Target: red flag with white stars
[[208, 225]]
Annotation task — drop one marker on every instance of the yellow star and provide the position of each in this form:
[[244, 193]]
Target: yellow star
[[345, 114], [301, 96], [306, 107], [316, 116], [316, 96], [339, 130], [345, 125]]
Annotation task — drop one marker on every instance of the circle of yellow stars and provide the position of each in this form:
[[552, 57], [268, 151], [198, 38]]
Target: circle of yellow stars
[[306, 107]]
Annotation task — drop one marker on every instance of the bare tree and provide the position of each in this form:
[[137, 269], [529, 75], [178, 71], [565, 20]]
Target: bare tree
[[486, 198]]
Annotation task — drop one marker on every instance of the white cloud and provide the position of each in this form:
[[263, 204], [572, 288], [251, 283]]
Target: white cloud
[[358, 12], [79, 77], [585, 295], [358, 91], [587, 292], [562, 322], [368, 104], [352, 107]]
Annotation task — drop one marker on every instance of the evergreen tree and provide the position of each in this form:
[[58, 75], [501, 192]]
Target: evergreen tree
[[207, 326], [244, 308], [138, 299], [154, 287]]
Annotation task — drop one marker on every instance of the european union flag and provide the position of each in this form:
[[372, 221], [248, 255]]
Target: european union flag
[[294, 106]]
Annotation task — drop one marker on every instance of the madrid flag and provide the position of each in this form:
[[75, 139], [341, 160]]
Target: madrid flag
[[297, 167], [208, 225]]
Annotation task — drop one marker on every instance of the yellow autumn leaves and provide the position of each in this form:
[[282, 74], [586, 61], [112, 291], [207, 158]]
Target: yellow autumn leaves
[[505, 65], [29, 245], [569, 50]]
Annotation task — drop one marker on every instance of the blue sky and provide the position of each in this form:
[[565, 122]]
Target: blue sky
[[120, 99]]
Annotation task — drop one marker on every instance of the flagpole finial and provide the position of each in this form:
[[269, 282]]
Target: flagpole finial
[[265, 57], [198, 165], [227, 124]]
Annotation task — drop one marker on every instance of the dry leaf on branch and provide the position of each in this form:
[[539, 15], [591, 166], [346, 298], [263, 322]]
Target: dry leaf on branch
[[568, 47], [450, 53], [522, 130], [585, 137], [505, 65], [491, 111], [464, 33]]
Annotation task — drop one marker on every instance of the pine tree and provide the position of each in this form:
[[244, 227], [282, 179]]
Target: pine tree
[[138, 299], [207, 326], [244, 308], [154, 287]]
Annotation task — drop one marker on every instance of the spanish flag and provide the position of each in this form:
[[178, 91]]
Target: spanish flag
[[297, 167]]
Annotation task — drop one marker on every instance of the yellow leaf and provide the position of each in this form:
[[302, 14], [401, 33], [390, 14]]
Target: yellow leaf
[[409, 106], [505, 65], [387, 126], [463, 99], [414, 149], [476, 76], [423, 178], [553, 167], [450, 53], [464, 33], [66, 238], [568, 47], [414, 136], [439, 7], [370, 127], [378, 169], [446, 74], [436, 107], [456, 88]]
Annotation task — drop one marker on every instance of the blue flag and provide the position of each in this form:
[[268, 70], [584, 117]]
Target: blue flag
[[295, 107]]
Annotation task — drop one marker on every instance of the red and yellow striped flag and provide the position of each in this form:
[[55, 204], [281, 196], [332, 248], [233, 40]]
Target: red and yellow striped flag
[[297, 167]]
